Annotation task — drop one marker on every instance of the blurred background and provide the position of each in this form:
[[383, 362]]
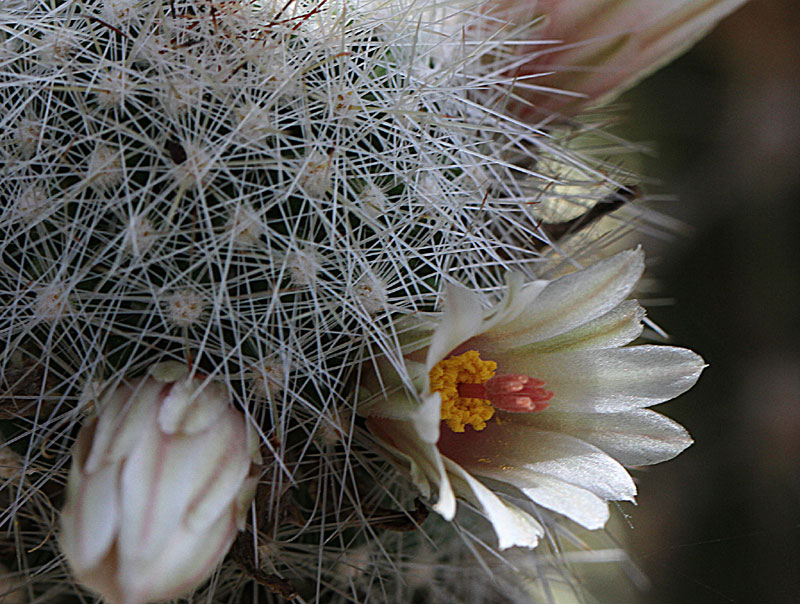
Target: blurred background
[[721, 523]]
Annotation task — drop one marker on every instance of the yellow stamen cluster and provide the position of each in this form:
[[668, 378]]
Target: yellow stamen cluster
[[467, 368]]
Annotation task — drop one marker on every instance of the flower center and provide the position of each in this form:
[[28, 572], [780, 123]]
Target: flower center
[[471, 392], [464, 369]]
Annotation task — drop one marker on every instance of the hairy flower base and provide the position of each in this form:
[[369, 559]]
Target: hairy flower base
[[569, 456]]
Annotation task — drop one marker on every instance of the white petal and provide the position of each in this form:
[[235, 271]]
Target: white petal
[[519, 296], [462, 318], [398, 406], [634, 438], [605, 46], [215, 482], [112, 407], [417, 476], [388, 397], [192, 405], [507, 447], [178, 484], [186, 559], [403, 437], [90, 520], [616, 328], [568, 302], [138, 485], [609, 380], [413, 333], [168, 371], [513, 526], [80, 454], [124, 412], [576, 503], [244, 499], [185, 465], [580, 505], [427, 418]]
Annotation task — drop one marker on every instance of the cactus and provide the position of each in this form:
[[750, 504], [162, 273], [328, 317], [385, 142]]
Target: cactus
[[269, 192]]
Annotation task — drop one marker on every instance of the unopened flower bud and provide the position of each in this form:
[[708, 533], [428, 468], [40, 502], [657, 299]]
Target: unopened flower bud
[[587, 52], [161, 481]]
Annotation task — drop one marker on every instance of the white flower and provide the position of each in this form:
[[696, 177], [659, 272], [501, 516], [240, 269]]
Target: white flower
[[539, 397], [160, 482]]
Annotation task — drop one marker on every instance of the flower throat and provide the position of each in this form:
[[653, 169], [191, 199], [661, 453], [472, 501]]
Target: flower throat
[[471, 391]]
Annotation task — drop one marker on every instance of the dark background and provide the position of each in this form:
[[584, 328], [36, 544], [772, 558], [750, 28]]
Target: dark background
[[721, 523]]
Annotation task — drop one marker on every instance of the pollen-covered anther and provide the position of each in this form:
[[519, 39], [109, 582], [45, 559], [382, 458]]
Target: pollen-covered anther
[[517, 393], [469, 406]]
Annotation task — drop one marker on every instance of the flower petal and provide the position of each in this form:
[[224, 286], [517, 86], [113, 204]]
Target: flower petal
[[567, 303], [606, 46], [609, 380], [427, 418], [427, 463], [139, 535], [518, 297], [634, 438], [90, 522], [193, 481], [461, 319], [576, 503], [185, 560], [616, 328], [398, 405], [191, 405], [513, 526], [507, 448], [215, 484], [123, 414]]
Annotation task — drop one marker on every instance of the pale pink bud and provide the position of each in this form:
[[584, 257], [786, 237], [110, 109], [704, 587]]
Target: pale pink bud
[[593, 50], [161, 481]]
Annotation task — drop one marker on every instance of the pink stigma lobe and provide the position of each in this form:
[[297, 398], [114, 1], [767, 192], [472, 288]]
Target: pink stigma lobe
[[510, 392]]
